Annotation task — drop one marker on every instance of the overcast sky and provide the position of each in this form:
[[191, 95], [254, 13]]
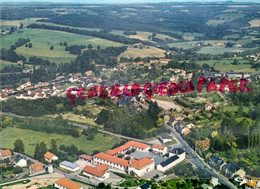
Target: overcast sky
[[122, 1]]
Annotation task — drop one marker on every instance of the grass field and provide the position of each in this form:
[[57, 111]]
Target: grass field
[[225, 65], [31, 138], [78, 119], [218, 50], [136, 52], [43, 39], [229, 16], [215, 23], [142, 35], [6, 63]]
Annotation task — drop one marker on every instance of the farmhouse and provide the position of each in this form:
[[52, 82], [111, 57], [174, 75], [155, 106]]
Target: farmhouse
[[67, 184], [5, 154], [36, 168], [158, 149], [69, 166], [50, 157], [99, 172], [141, 167]]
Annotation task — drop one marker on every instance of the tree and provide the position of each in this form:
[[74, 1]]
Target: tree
[[19, 146], [194, 80], [98, 47], [30, 45], [53, 147], [90, 46], [37, 152], [17, 170], [51, 47], [101, 185], [103, 116], [40, 150], [21, 25]]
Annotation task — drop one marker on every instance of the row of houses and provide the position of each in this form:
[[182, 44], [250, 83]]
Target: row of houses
[[230, 75], [21, 161]]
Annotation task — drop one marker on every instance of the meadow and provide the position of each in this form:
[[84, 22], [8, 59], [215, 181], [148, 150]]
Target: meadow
[[31, 138], [42, 40], [145, 52], [225, 65]]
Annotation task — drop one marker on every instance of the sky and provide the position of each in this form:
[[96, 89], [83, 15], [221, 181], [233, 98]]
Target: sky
[[122, 1]]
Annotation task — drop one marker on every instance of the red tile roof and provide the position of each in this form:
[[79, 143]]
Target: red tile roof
[[112, 159], [141, 163], [158, 146], [6, 153], [49, 155], [186, 132], [84, 156], [68, 184], [97, 171], [37, 167], [126, 146]]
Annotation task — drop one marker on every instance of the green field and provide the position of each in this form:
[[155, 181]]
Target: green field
[[229, 16], [6, 63], [43, 39], [31, 138], [225, 65], [215, 22], [218, 50], [145, 52]]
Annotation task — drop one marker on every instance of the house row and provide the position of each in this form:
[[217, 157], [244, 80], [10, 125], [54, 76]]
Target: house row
[[181, 127], [228, 169], [21, 161], [16, 160], [230, 75]]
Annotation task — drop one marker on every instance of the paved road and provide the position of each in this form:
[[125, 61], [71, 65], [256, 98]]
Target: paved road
[[195, 159]]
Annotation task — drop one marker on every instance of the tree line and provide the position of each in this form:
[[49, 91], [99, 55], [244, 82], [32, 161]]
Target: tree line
[[128, 122]]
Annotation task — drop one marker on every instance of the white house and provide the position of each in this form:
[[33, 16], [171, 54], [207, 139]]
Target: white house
[[19, 160], [164, 137], [158, 149], [36, 169], [67, 184], [69, 166], [141, 167], [175, 157], [48, 156], [99, 172]]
